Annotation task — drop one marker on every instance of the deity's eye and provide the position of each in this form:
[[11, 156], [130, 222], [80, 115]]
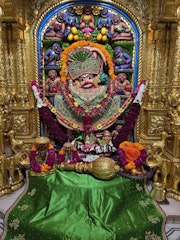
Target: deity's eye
[[90, 76], [81, 78]]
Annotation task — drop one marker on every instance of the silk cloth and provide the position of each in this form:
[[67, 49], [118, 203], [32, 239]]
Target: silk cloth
[[69, 205]]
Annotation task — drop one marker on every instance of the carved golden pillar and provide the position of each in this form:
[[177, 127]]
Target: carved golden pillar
[[2, 83], [173, 116], [172, 122], [155, 105]]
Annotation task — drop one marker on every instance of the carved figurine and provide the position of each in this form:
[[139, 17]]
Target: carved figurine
[[52, 55], [56, 28], [87, 20], [120, 31], [162, 167], [16, 144], [68, 154], [122, 60], [123, 86], [159, 146], [52, 82], [42, 155], [71, 23], [104, 23]]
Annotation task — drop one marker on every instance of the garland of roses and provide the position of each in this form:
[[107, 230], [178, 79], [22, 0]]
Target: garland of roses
[[138, 161], [50, 159]]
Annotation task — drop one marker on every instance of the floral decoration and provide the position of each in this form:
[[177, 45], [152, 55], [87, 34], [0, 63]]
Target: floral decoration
[[75, 107], [61, 153], [42, 167], [54, 130], [128, 125], [84, 43], [131, 155]]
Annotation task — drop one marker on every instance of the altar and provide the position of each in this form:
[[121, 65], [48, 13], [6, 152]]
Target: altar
[[87, 116], [68, 205]]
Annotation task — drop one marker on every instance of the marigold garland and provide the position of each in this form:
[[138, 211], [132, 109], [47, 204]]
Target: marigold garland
[[131, 155], [42, 167], [83, 43]]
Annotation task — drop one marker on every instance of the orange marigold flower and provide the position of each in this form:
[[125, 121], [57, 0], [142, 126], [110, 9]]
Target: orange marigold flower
[[139, 146], [61, 152], [34, 148], [130, 165]]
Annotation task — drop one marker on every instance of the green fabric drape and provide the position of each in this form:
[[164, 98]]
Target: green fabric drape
[[68, 205]]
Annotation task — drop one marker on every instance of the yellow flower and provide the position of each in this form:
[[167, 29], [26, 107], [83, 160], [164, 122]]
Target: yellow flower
[[98, 106], [120, 110], [74, 126], [105, 96], [75, 104], [53, 110], [70, 95], [99, 126]]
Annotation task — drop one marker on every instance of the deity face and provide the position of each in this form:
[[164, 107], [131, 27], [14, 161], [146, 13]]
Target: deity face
[[86, 81], [52, 74], [104, 13], [56, 47], [106, 137], [116, 20], [122, 77], [71, 11], [60, 17], [117, 51], [87, 9], [42, 147]]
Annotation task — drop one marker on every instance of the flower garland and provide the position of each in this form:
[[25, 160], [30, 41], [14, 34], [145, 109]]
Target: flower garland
[[55, 131], [75, 107], [83, 43], [128, 125], [87, 125], [42, 167], [133, 113], [61, 153], [131, 155]]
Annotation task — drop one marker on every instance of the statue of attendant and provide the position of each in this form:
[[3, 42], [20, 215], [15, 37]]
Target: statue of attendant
[[56, 28], [52, 82], [123, 86], [52, 55], [67, 154], [120, 31], [42, 155], [122, 60], [71, 21], [104, 21], [87, 20]]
